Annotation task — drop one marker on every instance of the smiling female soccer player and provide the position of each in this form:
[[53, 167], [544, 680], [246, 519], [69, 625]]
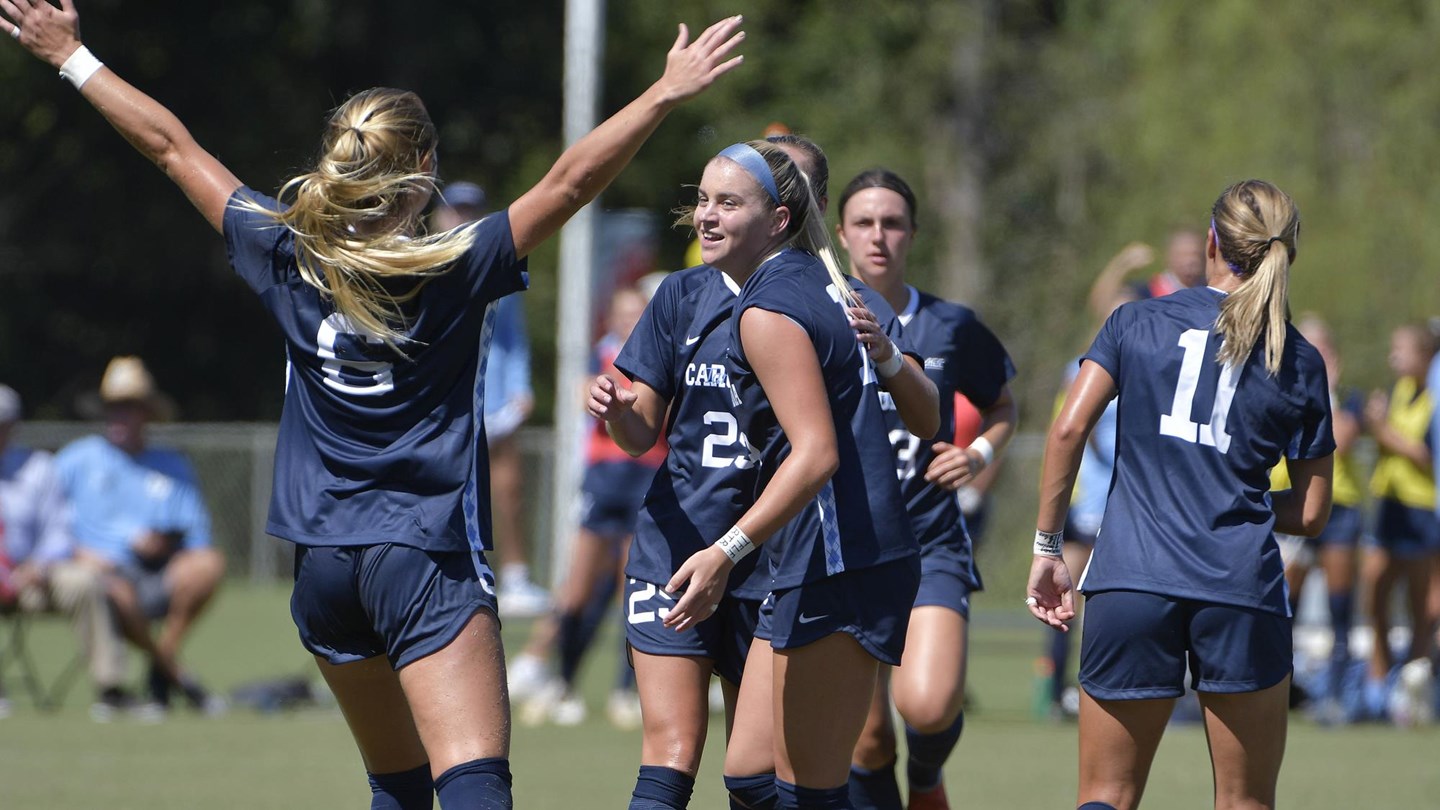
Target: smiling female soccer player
[[380, 464], [843, 571], [1214, 388]]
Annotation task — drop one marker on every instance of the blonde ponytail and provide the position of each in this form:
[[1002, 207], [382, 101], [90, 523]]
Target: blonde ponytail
[[354, 214], [1256, 226]]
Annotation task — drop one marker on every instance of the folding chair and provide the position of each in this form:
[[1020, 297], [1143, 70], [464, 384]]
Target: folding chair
[[15, 653]]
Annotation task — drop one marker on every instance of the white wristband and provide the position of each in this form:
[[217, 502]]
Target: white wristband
[[891, 367], [80, 67], [1049, 544], [736, 544], [986, 450]]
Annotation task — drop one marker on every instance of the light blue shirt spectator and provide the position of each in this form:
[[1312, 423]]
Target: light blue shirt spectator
[[114, 497], [1097, 467], [507, 371], [32, 506]]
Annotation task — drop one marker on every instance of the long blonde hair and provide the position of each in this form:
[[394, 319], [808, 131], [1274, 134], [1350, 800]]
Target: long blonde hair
[[371, 164], [1256, 226], [806, 228]]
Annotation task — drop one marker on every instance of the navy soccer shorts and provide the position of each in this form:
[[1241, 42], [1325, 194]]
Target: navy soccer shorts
[[871, 604], [1406, 532], [612, 493], [1343, 529], [1137, 646], [356, 602], [945, 589], [723, 638]]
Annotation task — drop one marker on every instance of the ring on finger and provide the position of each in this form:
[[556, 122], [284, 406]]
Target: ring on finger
[[1031, 601], [15, 32]]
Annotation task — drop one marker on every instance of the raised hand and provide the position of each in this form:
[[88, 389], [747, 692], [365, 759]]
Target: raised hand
[[690, 67], [48, 32], [606, 399]]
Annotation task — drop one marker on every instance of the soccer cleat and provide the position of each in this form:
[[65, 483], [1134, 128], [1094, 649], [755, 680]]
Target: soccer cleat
[[536, 710], [570, 711], [115, 703], [933, 799], [623, 709], [519, 598], [526, 676]]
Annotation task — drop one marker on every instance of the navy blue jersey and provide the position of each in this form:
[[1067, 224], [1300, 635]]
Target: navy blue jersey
[[959, 354], [678, 348], [375, 447], [852, 524], [1189, 514]]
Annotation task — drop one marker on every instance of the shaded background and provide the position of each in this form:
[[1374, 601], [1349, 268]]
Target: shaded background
[[1040, 137]]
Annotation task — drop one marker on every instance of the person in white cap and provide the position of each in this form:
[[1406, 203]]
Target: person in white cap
[[39, 572], [139, 516]]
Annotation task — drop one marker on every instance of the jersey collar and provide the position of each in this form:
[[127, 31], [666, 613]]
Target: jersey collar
[[911, 307]]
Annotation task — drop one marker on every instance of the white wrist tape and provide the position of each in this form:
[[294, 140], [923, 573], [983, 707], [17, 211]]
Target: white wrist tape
[[891, 367], [80, 67], [736, 544], [1049, 544], [986, 450]]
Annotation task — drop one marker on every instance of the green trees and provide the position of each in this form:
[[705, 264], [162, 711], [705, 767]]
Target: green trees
[[1040, 136]]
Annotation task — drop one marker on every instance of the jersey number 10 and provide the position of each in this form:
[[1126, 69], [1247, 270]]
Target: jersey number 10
[[1177, 422]]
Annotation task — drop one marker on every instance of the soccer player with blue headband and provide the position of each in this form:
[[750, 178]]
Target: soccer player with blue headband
[[677, 361]]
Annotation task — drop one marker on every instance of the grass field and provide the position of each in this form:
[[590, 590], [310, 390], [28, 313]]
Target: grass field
[[305, 759]]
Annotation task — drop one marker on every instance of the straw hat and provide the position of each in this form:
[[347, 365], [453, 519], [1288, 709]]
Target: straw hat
[[126, 379]]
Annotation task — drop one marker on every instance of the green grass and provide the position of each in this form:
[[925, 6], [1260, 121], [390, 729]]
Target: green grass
[[306, 759]]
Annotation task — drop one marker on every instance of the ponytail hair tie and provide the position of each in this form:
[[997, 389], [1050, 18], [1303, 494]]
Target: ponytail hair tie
[[1272, 240]]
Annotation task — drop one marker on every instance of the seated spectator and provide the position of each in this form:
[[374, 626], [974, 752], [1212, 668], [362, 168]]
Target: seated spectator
[[38, 569], [139, 517]]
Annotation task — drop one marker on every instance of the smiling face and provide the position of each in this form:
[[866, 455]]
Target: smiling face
[[876, 230], [737, 222]]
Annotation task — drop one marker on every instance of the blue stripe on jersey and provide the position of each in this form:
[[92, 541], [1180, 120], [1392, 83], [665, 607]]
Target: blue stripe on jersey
[[470, 501], [864, 496], [834, 554]]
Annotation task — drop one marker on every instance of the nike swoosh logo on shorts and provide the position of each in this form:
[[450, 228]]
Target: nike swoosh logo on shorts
[[803, 619], [691, 341]]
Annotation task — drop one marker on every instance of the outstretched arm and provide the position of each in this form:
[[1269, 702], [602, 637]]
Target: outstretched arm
[[587, 167], [53, 35]]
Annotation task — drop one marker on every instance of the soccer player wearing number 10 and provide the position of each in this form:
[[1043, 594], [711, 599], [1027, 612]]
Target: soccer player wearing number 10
[[1214, 387]]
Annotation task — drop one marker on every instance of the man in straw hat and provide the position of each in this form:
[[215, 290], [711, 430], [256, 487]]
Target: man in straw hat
[[39, 572], [139, 515]]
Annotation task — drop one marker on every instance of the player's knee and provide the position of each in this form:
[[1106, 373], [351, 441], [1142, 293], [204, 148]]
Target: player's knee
[[930, 713]]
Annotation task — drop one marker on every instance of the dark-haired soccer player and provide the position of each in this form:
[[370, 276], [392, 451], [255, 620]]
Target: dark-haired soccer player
[[877, 226]]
